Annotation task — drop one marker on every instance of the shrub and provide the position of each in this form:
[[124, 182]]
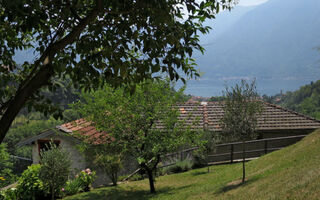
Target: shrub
[[199, 160], [30, 186], [110, 164], [180, 166], [86, 178], [9, 194], [6, 175], [72, 187], [81, 183], [55, 168]]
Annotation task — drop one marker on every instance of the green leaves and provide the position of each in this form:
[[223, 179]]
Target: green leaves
[[144, 124], [241, 111], [91, 42]]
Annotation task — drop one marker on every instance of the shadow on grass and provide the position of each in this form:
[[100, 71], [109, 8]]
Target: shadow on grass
[[236, 184], [132, 193], [199, 173]]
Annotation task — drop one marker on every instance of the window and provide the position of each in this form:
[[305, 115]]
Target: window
[[43, 145]]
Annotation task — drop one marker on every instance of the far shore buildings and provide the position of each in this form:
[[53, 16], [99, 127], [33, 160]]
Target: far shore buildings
[[275, 121]]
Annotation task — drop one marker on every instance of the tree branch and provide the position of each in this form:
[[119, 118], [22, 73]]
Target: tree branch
[[43, 75]]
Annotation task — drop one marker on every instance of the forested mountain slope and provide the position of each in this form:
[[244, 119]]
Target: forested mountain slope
[[306, 100]]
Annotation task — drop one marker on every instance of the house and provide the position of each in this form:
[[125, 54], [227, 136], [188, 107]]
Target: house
[[69, 136], [275, 121]]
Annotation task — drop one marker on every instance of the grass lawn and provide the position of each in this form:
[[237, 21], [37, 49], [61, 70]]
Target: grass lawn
[[291, 173]]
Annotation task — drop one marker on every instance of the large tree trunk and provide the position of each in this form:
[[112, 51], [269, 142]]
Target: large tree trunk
[[243, 161], [20, 98], [151, 181]]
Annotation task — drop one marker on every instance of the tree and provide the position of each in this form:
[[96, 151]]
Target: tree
[[241, 110], [111, 164], [55, 168], [105, 156], [145, 125], [91, 42], [206, 146]]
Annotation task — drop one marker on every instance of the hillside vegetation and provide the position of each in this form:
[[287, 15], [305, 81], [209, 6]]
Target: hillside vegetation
[[306, 100], [291, 173]]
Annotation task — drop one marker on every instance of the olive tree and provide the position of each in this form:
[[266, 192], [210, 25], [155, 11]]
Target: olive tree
[[241, 111], [55, 168], [91, 42]]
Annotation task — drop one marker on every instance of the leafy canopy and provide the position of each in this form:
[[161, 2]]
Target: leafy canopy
[[241, 111], [93, 43]]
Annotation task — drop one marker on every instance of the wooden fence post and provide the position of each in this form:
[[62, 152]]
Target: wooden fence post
[[231, 153], [266, 146]]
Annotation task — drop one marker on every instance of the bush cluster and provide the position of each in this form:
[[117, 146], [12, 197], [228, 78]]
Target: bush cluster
[[6, 175], [50, 179], [30, 186], [180, 166], [81, 183]]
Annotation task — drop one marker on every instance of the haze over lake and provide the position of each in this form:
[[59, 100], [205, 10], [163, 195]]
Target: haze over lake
[[275, 42]]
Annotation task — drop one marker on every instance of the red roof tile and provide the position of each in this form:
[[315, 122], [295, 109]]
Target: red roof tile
[[82, 129]]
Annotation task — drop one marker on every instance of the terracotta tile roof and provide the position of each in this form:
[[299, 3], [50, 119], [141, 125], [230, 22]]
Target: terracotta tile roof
[[207, 115], [83, 129], [273, 117], [192, 114]]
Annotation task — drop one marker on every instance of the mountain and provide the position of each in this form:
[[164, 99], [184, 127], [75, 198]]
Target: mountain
[[274, 42]]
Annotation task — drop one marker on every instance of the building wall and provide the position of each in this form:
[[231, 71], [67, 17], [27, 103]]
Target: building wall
[[67, 143], [79, 162]]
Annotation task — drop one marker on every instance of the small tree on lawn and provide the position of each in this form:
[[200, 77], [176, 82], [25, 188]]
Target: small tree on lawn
[[55, 168], [111, 164], [145, 124], [241, 109], [106, 156], [206, 146]]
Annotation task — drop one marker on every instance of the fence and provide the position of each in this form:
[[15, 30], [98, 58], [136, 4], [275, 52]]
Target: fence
[[230, 152], [20, 164]]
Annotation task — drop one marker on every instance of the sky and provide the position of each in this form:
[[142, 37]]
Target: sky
[[251, 2]]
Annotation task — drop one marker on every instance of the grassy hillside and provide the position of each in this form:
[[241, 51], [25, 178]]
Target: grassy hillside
[[291, 173]]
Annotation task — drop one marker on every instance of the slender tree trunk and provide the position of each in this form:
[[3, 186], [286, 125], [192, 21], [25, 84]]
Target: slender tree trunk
[[151, 181], [207, 159], [114, 179], [52, 193], [243, 161]]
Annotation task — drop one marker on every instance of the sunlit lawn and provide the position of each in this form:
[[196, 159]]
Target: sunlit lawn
[[292, 173]]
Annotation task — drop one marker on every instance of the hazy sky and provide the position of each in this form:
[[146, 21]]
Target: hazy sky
[[251, 2]]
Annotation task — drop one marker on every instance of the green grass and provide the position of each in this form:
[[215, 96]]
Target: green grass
[[291, 173]]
